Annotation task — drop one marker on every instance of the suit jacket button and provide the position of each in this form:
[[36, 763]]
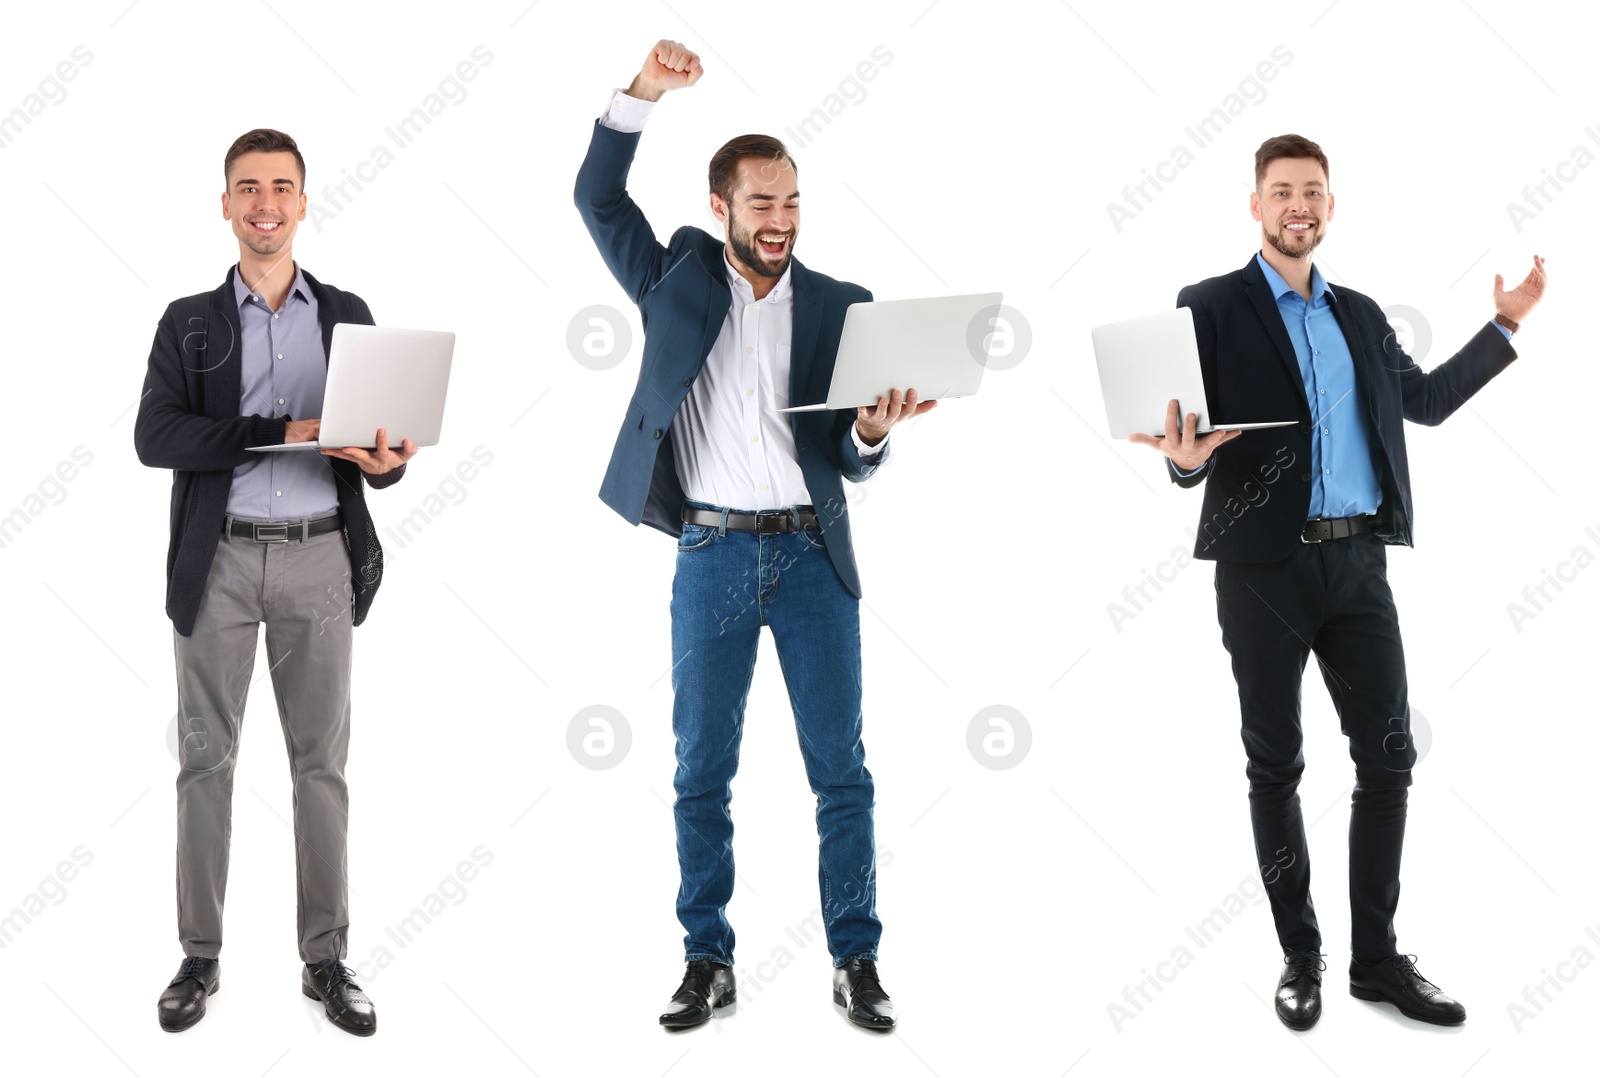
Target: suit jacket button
[[687, 382], [1303, 478], [658, 438]]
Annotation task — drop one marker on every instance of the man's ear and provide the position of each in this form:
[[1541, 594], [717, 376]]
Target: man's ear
[[302, 215], [1255, 206], [225, 215], [719, 208]]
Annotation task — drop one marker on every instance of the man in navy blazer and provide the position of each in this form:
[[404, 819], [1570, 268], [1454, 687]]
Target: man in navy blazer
[[1297, 519], [735, 329]]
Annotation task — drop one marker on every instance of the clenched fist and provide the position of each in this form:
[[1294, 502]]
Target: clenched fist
[[670, 66]]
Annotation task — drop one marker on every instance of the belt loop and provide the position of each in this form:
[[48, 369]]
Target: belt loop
[[227, 526], [794, 518], [305, 531], [722, 529]]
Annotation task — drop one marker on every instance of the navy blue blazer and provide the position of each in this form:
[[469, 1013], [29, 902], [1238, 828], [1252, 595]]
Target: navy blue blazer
[[683, 297], [1258, 486], [189, 421]]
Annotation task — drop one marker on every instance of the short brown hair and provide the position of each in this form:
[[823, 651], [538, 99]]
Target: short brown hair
[[263, 140], [725, 162], [1287, 146]]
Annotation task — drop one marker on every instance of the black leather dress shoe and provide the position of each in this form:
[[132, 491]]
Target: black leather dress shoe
[[331, 983], [184, 1001], [1299, 1000], [856, 988], [706, 986], [1397, 980]]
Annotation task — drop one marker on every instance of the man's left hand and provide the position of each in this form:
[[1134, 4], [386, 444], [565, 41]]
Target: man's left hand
[[1519, 303], [874, 423], [380, 460]]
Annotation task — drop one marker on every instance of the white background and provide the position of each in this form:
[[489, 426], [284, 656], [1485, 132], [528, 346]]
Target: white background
[[1018, 903]]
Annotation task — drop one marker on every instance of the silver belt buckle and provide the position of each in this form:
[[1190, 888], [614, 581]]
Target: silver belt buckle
[[260, 532], [1309, 541]]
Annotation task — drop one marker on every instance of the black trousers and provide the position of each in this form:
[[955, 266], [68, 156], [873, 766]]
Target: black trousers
[[1331, 599]]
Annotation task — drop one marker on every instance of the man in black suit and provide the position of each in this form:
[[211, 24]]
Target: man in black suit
[[1297, 519]]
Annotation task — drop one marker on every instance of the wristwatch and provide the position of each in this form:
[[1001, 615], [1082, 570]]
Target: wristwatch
[[1501, 319]]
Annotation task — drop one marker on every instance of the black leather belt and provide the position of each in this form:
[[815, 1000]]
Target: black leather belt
[[1343, 527], [300, 529], [762, 523]]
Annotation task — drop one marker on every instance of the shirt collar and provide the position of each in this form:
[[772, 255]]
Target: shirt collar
[[1275, 281], [741, 287], [298, 286]]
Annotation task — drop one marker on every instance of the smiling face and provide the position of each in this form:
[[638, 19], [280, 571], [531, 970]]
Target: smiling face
[[1293, 205], [762, 219], [264, 201]]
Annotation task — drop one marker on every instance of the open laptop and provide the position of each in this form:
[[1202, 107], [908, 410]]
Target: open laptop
[[377, 376], [937, 346], [1145, 363]]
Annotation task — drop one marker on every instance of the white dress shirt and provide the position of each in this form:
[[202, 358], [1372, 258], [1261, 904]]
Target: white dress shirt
[[730, 445]]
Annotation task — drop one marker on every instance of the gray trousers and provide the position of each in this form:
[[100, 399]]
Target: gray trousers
[[301, 590]]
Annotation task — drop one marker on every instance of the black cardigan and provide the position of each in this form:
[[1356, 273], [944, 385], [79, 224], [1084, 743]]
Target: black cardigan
[[189, 421]]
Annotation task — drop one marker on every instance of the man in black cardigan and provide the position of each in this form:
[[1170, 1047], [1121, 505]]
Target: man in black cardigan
[[282, 539]]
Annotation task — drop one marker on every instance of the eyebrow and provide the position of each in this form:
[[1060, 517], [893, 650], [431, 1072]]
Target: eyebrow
[[257, 183], [1286, 183], [764, 197]]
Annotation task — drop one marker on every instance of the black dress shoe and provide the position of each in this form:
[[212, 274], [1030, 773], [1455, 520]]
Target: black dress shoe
[[1299, 1000], [856, 988], [706, 986], [184, 1001], [1397, 980], [333, 984]]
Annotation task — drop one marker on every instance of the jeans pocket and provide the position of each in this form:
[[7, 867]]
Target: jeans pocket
[[695, 537], [812, 537]]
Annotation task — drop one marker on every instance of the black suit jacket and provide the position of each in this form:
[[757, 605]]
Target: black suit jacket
[[1258, 486], [189, 421]]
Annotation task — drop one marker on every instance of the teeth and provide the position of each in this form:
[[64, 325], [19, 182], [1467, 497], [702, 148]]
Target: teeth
[[268, 226]]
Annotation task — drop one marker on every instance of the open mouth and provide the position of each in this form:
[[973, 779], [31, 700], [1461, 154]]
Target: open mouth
[[1299, 228], [773, 247], [266, 228]]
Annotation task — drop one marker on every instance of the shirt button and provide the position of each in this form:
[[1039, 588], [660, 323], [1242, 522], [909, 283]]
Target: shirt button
[[749, 306], [280, 354], [749, 392], [1324, 392], [748, 349], [1327, 471], [280, 400], [754, 438], [763, 486], [1324, 429], [277, 493]]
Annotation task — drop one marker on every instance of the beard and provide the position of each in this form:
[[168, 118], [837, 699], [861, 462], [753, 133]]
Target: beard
[[749, 252], [1284, 247]]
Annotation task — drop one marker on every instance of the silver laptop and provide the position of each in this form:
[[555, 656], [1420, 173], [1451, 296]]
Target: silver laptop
[[1145, 363], [937, 346], [377, 376]]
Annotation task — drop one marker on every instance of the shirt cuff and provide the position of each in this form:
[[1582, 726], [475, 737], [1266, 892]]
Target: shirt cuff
[[1503, 330], [863, 448], [626, 114], [1182, 474]]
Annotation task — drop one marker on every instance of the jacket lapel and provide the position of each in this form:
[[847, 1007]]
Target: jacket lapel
[[1266, 306], [803, 337], [219, 353]]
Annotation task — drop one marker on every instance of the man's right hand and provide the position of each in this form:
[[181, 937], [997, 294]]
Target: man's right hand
[[1186, 451], [670, 66], [301, 430]]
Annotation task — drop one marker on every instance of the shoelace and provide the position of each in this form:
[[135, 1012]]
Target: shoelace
[[697, 977], [868, 972], [190, 968], [1407, 965], [335, 971], [1306, 964]]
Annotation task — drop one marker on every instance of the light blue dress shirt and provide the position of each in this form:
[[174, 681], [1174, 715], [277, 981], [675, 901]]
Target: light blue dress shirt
[[283, 370]]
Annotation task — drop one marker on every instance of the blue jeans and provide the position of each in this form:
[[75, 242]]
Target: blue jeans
[[727, 585]]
